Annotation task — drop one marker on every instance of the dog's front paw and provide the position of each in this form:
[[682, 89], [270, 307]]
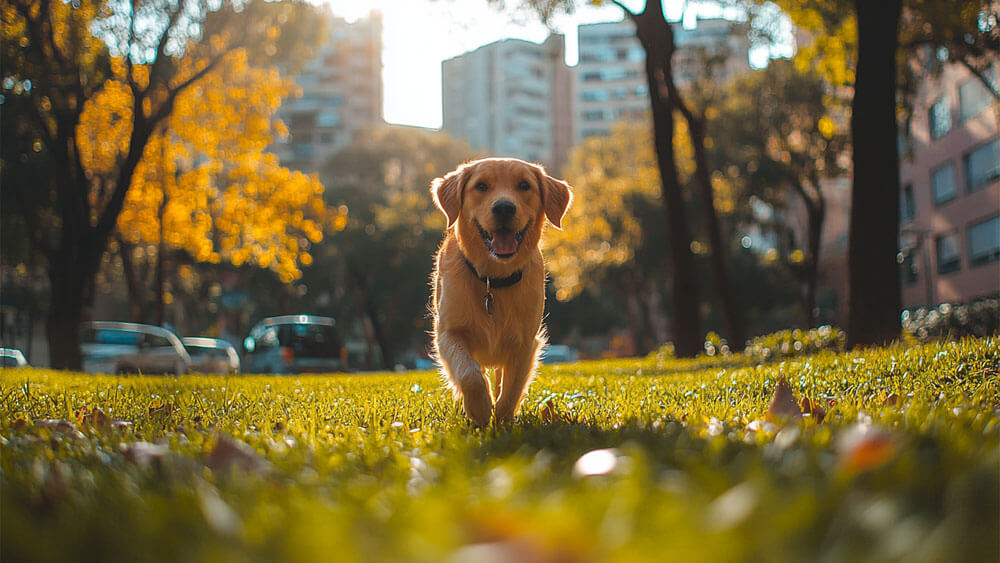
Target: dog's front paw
[[505, 410], [476, 400]]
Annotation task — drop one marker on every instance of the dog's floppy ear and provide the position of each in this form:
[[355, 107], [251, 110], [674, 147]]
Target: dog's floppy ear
[[447, 192], [556, 197]]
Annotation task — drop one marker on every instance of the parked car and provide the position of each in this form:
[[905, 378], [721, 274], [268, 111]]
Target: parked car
[[559, 353], [294, 344], [211, 355], [119, 347], [12, 358]]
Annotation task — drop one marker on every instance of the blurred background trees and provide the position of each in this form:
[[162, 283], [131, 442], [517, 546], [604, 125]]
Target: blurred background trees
[[780, 144], [135, 160], [134, 60], [375, 277]]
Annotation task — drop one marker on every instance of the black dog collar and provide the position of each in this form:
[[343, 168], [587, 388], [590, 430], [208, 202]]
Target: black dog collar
[[495, 283]]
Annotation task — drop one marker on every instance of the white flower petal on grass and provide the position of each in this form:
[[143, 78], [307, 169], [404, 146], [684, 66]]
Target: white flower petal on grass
[[596, 462]]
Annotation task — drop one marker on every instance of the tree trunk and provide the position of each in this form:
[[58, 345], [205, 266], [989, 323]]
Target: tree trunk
[[132, 284], [159, 274], [66, 307], [717, 258], [388, 354], [657, 39], [874, 295], [816, 216]]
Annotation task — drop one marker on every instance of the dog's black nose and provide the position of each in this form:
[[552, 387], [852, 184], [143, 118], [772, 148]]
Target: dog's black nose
[[504, 210]]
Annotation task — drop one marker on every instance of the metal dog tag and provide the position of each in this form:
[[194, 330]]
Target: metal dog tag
[[488, 299]]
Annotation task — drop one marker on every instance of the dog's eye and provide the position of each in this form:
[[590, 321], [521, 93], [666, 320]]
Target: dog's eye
[[481, 187], [524, 185]]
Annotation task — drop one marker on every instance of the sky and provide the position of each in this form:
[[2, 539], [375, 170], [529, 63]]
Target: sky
[[418, 34]]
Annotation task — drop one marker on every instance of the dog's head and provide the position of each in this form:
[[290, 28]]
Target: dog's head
[[502, 203]]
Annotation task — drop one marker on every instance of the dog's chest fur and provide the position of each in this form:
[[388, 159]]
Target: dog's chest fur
[[515, 314]]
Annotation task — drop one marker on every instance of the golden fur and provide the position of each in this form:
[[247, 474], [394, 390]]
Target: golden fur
[[509, 338]]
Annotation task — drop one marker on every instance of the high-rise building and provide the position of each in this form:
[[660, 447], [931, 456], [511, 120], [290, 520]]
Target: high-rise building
[[510, 98], [611, 75], [341, 94], [950, 192]]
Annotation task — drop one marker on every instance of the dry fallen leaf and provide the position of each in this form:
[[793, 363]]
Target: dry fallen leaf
[[863, 447], [549, 412], [229, 453], [813, 409], [160, 408], [783, 405], [94, 418]]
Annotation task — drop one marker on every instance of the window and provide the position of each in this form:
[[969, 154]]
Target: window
[[939, 118], [595, 95], [328, 118], [984, 242], [982, 165], [972, 98], [614, 74], [596, 115], [943, 184], [948, 257], [156, 341], [907, 205]]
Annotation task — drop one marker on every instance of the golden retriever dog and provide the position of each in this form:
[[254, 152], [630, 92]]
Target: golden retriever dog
[[489, 280]]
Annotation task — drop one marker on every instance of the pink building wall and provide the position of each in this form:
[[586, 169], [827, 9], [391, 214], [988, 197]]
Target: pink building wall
[[932, 220]]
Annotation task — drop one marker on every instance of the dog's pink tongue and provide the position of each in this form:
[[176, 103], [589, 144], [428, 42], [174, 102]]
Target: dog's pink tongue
[[504, 242]]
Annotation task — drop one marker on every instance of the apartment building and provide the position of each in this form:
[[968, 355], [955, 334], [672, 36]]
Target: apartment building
[[341, 94], [610, 79], [950, 198], [511, 98]]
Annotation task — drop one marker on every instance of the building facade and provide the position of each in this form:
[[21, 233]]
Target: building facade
[[510, 98], [341, 94], [950, 192], [610, 82]]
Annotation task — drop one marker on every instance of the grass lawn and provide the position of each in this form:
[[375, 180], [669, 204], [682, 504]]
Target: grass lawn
[[632, 460]]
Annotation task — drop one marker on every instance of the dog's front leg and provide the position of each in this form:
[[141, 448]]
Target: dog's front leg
[[466, 377], [515, 378]]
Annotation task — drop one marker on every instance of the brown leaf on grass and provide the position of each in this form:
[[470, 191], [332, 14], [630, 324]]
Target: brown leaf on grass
[[813, 409], [18, 423], [783, 405], [863, 447], [229, 453], [891, 400], [159, 408], [548, 412], [95, 418]]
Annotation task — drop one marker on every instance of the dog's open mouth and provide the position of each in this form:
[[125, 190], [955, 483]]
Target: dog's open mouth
[[503, 242]]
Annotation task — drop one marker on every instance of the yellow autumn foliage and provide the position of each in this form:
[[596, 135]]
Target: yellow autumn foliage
[[831, 45], [205, 180], [600, 229]]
